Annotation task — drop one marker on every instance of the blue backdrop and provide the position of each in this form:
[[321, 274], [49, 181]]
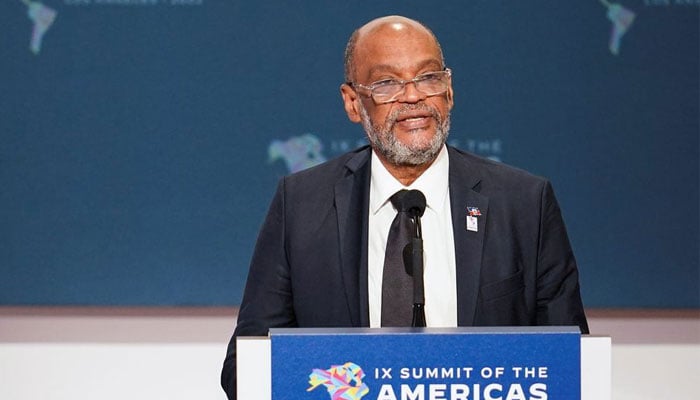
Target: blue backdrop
[[141, 140]]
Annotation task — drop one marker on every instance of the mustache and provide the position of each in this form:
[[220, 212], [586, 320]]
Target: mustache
[[393, 117]]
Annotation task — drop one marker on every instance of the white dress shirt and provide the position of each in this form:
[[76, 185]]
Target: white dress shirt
[[438, 240]]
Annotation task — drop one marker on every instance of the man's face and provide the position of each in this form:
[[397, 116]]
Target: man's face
[[411, 130]]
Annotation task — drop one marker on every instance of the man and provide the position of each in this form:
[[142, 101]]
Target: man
[[496, 250]]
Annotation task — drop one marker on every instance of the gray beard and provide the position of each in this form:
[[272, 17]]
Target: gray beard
[[384, 142]]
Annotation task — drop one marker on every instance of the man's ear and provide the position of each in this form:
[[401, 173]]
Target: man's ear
[[350, 99]]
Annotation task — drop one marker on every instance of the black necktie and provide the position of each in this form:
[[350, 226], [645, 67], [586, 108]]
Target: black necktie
[[397, 285]]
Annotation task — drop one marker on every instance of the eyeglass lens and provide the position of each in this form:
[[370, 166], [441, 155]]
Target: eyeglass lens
[[429, 84]]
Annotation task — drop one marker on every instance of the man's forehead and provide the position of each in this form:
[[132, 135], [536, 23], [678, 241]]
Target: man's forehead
[[387, 48], [416, 64]]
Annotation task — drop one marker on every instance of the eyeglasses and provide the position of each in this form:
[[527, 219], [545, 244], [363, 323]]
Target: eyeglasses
[[389, 90]]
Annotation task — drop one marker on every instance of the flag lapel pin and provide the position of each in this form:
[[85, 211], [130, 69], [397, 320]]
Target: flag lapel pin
[[472, 220]]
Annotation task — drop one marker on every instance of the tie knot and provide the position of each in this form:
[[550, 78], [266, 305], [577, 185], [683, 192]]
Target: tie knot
[[409, 201], [398, 200]]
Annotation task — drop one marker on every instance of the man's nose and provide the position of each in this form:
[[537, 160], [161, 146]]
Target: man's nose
[[411, 94]]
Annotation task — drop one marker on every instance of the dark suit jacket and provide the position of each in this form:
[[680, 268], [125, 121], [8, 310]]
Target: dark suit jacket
[[309, 268]]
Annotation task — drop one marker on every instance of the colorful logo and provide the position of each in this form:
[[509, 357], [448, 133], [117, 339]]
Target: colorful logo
[[343, 382], [298, 152]]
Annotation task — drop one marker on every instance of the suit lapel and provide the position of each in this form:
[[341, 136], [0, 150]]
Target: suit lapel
[[352, 206], [464, 192]]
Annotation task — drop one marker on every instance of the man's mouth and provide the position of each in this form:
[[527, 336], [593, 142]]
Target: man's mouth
[[414, 120], [414, 116]]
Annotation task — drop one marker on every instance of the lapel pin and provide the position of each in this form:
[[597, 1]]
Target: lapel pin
[[472, 221]]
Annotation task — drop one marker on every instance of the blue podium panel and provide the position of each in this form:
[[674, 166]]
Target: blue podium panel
[[528, 363]]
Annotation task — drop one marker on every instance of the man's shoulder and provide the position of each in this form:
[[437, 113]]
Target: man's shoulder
[[490, 172], [332, 170]]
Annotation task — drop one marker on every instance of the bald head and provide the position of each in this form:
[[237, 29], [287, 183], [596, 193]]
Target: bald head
[[393, 25]]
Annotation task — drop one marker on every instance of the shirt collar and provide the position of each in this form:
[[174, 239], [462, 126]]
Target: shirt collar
[[433, 183]]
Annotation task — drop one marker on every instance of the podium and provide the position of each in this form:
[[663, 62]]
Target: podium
[[470, 363]]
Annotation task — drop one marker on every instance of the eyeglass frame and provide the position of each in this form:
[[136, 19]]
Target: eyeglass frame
[[447, 73]]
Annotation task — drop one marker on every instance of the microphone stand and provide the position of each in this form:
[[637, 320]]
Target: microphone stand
[[417, 266]]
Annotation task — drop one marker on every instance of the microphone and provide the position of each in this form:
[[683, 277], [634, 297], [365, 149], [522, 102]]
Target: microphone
[[414, 203]]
